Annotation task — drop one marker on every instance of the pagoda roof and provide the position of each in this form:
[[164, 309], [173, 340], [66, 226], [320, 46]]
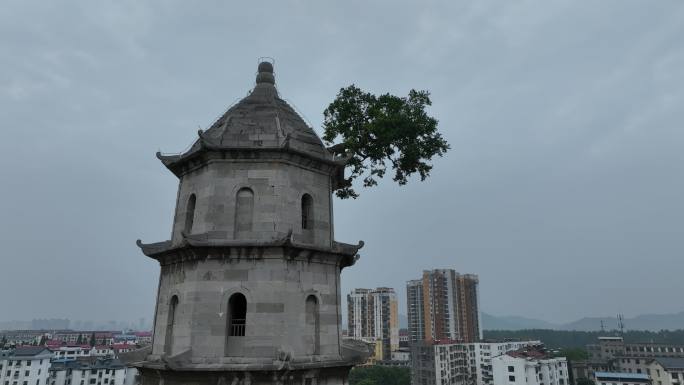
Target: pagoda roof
[[260, 121]]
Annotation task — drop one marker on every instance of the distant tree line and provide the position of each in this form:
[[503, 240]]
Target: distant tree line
[[568, 339], [379, 375]]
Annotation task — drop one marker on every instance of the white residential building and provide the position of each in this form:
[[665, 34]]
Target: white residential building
[[459, 363], [480, 356], [530, 366], [25, 365], [94, 372]]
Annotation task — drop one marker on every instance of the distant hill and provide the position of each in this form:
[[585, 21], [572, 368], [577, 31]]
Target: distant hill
[[652, 322], [492, 322]]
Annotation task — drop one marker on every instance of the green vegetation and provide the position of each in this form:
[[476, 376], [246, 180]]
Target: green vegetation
[[379, 375], [573, 354], [563, 339], [383, 131]]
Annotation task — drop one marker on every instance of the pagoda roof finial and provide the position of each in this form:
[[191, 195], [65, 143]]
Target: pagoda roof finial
[[265, 73]]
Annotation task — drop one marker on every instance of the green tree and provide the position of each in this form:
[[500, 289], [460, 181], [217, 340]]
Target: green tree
[[92, 339], [377, 132], [379, 375], [43, 340], [573, 354], [79, 341]]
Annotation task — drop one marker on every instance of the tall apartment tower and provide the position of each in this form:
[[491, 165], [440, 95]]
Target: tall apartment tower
[[249, 289], [373, 316], [443, 306]]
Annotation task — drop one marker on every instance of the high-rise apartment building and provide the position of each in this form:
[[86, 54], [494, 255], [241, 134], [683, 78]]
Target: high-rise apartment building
[[444, 306], [373, 317]]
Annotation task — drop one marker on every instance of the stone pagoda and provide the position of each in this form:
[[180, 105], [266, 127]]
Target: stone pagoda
[[249, 289]]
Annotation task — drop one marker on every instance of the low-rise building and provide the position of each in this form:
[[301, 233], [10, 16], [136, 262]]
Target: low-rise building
[[661, 370], [88, 372], [25, 365], [612, 355], [22, 337], [69, 352], [586, 369], [530, 366], [474, 360], [621, 378], [612, 347], [480, 356]]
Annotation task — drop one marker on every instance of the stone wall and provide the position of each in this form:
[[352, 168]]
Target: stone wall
[[278, 189], [276, 288]]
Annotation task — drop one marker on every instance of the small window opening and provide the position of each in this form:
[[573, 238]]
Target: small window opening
[[190, 214], [313, 322], [244, 209], [170, 323], [237, 305], [307, 212]]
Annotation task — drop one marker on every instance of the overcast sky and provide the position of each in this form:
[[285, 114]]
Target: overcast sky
[[563, 189]]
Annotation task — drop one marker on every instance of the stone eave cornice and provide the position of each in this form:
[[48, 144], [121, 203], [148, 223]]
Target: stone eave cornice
[[178, 163], [200, 246], [272, 366]]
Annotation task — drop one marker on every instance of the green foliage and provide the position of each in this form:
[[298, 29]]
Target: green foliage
[[379, 375], [563, 339], [43, 340], [377, 131], [573, 354], [92, 339], [79, 341]]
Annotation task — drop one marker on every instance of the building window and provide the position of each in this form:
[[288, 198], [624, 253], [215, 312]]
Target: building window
[[307, 212], [313, 322], [244, 210], [190, 214], [237, 315], [511, 369], [170, 322], [511, 378]]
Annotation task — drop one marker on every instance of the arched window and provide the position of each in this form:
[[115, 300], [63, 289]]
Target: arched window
[[237, 315], [170, 323], [307, 212], [190, 214], [313, 323], [244, 210]]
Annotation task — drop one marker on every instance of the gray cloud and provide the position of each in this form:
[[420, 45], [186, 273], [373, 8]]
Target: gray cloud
[[562, 190]]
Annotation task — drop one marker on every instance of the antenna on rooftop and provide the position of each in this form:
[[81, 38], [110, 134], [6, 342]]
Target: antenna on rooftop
[[621, 323], [603, 329]]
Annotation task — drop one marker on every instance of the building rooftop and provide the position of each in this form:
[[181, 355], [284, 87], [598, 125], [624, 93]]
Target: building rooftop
[[670, 362], [85, 364], [622, 376], [532, 351], [30, 351]]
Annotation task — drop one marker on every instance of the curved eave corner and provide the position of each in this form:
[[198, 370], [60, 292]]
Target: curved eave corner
[[152, 249]]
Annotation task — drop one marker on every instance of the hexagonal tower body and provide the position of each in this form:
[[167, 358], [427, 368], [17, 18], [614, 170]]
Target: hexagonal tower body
[[249, 289]]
